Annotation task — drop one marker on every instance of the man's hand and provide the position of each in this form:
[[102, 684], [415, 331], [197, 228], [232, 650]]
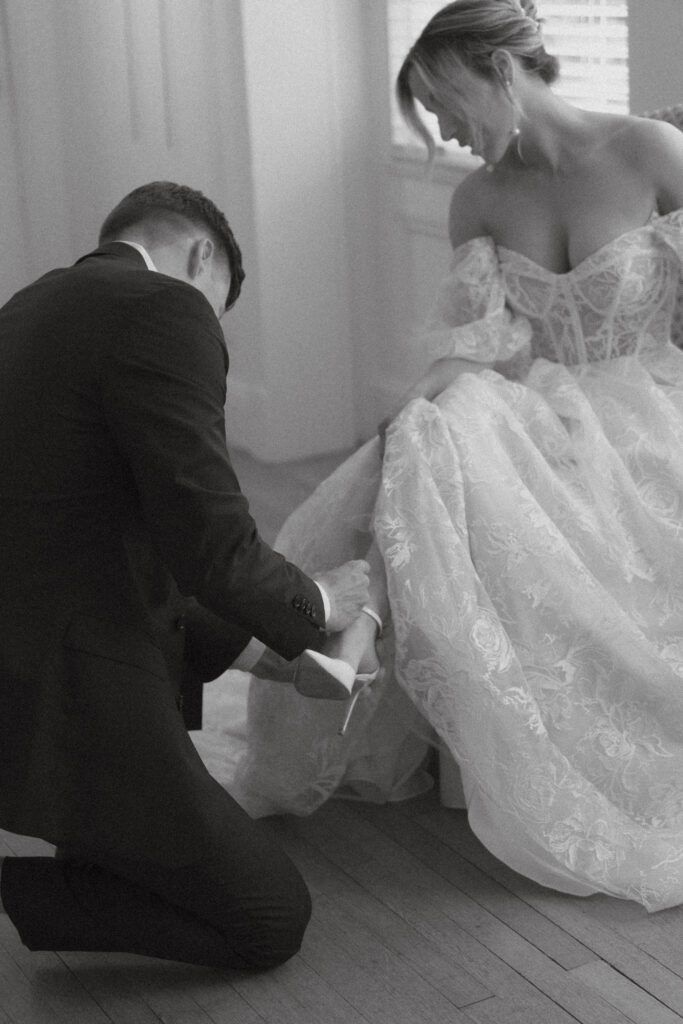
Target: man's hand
[[347, 588]]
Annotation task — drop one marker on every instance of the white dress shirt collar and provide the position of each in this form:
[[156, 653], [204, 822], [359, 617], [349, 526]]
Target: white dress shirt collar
[[141, 249]]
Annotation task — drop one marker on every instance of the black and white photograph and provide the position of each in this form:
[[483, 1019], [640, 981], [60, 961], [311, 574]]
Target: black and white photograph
[[341, 512]]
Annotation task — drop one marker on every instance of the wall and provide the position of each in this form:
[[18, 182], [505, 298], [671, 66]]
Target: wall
[[296, 103], [32, 208], [656, 48]]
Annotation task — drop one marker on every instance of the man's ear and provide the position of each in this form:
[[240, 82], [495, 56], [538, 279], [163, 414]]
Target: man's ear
[[199, 258]]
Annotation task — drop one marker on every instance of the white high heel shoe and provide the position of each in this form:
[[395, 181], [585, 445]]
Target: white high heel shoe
[[322, 677]]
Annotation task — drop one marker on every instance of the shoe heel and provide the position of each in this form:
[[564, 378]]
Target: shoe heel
[[367, 680], [365, 685], [349, 709]]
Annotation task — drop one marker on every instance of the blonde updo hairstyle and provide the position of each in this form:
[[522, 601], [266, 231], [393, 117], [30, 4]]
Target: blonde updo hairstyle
[[468, 32]]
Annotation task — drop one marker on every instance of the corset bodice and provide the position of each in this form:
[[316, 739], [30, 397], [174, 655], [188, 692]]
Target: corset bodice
[[618, 301]]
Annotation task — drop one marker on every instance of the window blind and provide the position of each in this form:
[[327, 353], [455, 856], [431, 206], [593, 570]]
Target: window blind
[[590, 38]]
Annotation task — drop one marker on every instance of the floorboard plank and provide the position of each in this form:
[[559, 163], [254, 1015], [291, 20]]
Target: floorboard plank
[[659, 935], [322, 876], [639, 1006], [36, 987], [138, 990], [141, 990], [604, 925], [402, 941], [380, 986], [442, 877], [454, 982], [458, 944], [297, 994], [501, 902], [407, 892], [117, 982], [502, 1010], [20, 1000]]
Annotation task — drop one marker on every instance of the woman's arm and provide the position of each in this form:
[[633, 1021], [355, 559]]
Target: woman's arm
[[440, 374], [471, 320]]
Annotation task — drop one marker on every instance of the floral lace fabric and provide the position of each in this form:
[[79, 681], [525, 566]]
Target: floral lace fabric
[[532, 534], [471, 319]]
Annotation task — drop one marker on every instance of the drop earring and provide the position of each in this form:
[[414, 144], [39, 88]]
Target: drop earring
[[517, 135], [517, 116]]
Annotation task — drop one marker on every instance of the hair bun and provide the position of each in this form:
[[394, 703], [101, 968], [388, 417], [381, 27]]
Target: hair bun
[[529, 9]]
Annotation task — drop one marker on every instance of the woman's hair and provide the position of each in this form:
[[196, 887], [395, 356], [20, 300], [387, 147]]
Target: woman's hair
[[160, 199], [468, 32]]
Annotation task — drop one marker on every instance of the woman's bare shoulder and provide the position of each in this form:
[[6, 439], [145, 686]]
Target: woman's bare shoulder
[[466, 215], [640, 135], [654, 148]]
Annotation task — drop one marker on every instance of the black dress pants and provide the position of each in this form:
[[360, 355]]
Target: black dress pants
[[242, 906]]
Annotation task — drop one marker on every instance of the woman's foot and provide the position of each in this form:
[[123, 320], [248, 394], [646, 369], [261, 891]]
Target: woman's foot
[[348, 662], [320, 676]]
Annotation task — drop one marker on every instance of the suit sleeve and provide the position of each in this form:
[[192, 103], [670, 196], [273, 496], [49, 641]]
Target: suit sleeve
[[163, 393], [211, 643], [211, 646]]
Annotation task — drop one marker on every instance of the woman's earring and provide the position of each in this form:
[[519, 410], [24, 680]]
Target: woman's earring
[[517, 134]]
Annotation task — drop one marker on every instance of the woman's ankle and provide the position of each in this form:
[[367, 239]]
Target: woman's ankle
[[356, 645]]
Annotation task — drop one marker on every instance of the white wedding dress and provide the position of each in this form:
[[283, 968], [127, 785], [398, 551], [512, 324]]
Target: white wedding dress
[[532, 534]]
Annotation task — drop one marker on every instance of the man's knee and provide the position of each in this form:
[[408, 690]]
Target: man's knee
[[277, 935]]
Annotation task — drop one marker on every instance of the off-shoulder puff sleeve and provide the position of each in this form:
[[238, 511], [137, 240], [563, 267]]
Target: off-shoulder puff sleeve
[[470, 319], [670, 227]]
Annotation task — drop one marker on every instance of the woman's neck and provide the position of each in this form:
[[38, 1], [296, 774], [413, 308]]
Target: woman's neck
[[554, 137]]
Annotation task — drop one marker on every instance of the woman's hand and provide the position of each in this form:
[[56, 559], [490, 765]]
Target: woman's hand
[[437, 378]]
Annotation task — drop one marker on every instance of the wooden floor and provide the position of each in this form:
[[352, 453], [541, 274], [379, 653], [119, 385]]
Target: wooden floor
[[414, 923]]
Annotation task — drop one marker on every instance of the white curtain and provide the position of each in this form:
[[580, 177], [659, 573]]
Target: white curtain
[[254, 102], [98, 96]]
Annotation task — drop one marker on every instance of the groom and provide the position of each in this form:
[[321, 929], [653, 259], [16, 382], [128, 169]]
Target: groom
[[130, 572]]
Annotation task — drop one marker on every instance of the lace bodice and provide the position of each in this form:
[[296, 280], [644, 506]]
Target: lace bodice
[[618, 301]]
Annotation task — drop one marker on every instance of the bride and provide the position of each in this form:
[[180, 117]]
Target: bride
[[525, 518]]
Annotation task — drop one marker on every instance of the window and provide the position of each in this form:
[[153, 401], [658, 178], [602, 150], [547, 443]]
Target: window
[[590, 38]]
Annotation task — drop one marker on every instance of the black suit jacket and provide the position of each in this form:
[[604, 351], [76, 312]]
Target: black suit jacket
[[128, 557]]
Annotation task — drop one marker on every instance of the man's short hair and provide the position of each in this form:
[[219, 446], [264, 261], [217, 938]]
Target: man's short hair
[[152, 201]]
